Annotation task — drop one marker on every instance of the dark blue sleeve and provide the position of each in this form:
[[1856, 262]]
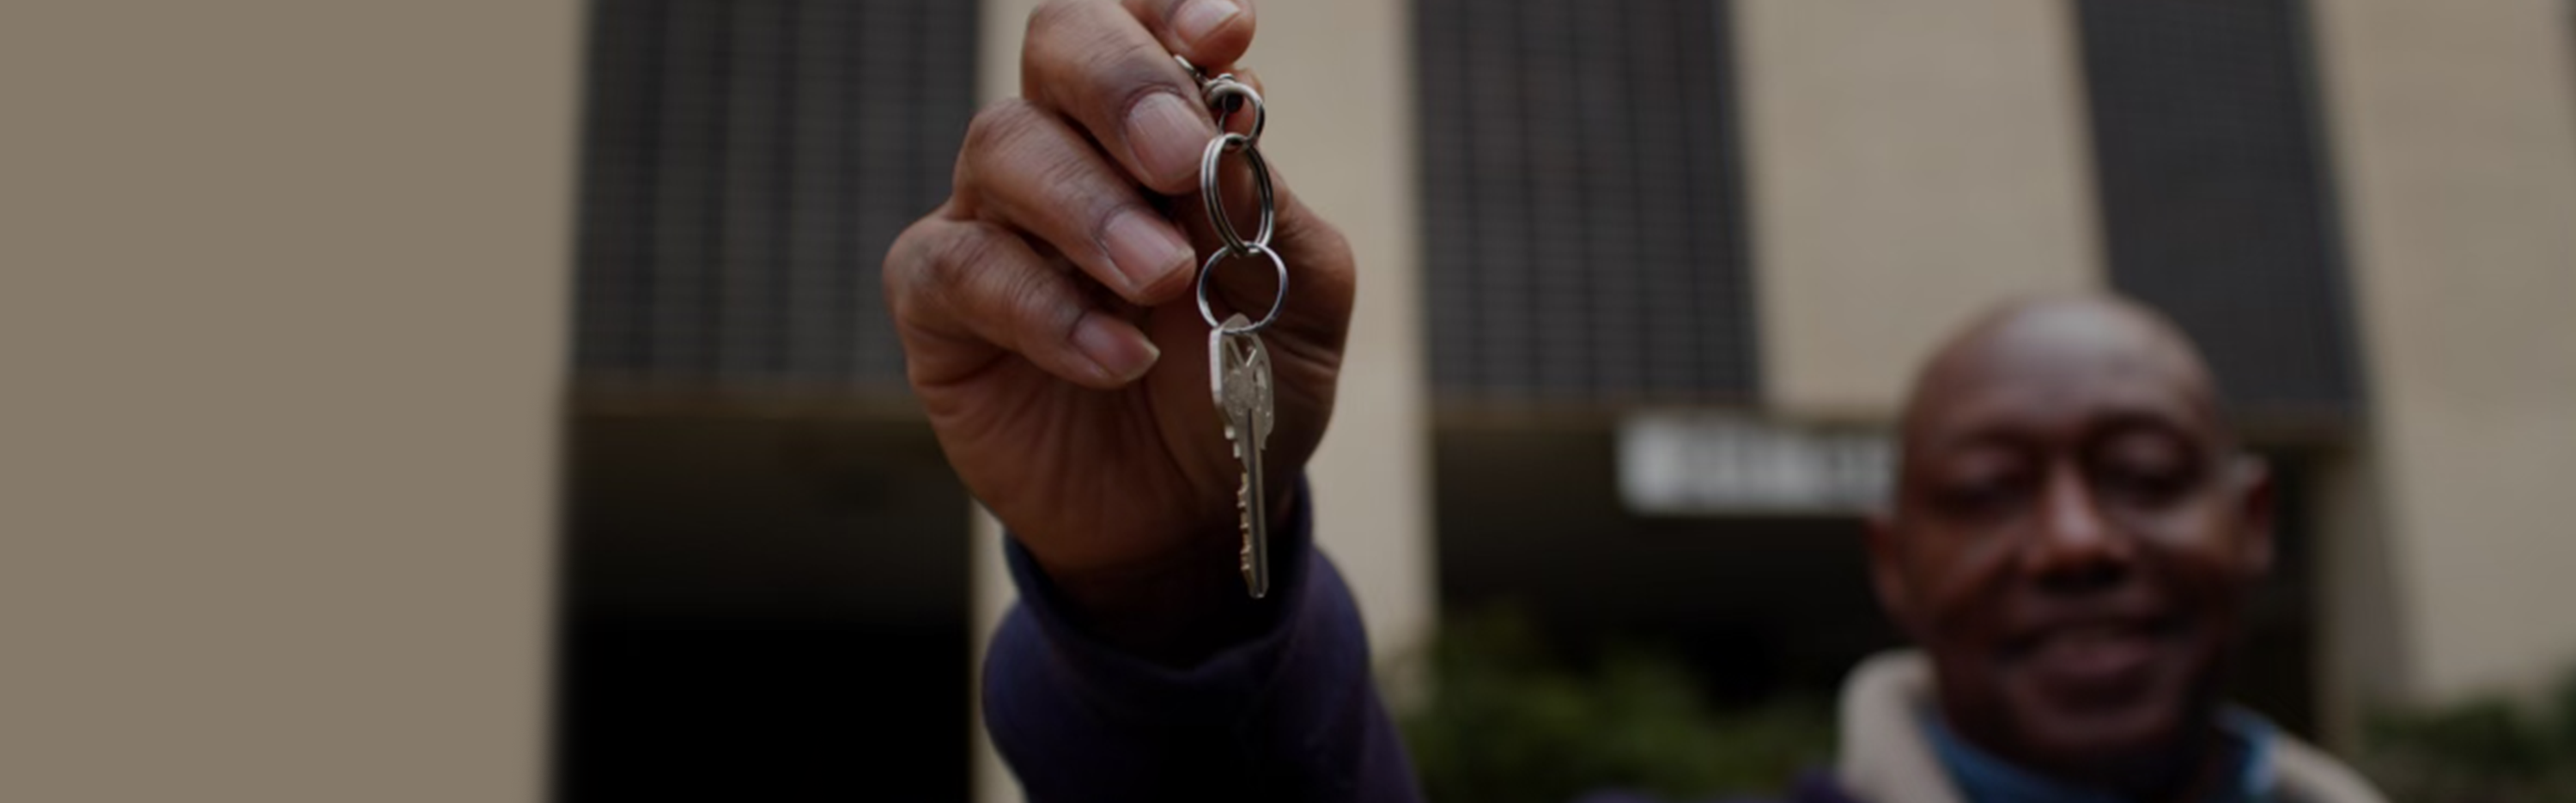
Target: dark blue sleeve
[[1289, 714]]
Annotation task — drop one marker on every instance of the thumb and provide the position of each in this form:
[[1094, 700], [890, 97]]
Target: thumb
[[1210, 33]]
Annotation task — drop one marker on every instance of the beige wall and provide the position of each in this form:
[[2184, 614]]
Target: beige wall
[[2456, 145], [1909, 164], [1338, 75], [284, 308], [1340, 79], [997, 76]]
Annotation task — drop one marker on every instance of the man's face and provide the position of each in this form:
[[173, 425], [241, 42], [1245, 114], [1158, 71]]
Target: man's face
[[2072, 541]]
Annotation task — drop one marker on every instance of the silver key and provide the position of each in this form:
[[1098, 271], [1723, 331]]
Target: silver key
[[1239, 378]]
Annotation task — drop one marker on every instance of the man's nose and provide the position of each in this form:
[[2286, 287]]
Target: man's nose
[[2076, 548]]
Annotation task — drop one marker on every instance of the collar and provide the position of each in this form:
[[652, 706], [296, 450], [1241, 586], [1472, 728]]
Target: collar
[[1983, 778], [1887, 757]]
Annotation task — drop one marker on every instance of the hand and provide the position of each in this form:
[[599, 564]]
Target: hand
[[1049, 327]]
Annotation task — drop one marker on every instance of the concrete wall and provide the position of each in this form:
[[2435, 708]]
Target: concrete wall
[[1908, 165], [2455, 131], [1340, 79], [284, 308], [285, 302]]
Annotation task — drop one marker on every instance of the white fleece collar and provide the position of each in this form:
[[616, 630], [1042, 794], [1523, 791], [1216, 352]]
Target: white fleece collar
[[1886, 758]]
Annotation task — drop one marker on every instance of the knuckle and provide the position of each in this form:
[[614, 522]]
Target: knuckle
[[1076, 188], [995, 127], [932, 284], [1123, 78], [1050, 15], [1327, 237], [907, 263], [1041, 307], [955, 257]]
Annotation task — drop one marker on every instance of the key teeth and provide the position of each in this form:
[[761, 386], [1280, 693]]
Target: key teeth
[[1243, 519]]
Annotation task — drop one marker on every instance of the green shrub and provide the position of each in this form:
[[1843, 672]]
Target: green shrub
[[2481, 750], [1506, 722]]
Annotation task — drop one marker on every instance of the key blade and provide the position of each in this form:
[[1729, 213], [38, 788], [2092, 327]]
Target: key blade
[[1246, 405], [1217, 371], [1254, 504]]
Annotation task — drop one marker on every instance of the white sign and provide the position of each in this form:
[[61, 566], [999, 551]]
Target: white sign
[[1697, 463]]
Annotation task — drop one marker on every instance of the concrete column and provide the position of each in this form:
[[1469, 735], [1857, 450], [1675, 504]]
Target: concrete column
[[997, 76], [1340, 79], [1338, 75], [2454, 129], [1908, 164], [2360, 654], [285, 303], [991, 585]]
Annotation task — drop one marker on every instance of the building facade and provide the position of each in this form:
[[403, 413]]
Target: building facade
[[1605, 246]]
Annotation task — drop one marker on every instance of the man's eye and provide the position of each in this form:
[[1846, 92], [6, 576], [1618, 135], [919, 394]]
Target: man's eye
[[2151, 485], [2144, 468], [1983, 497]]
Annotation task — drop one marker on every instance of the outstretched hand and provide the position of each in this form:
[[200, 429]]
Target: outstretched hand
[[1050, 331]]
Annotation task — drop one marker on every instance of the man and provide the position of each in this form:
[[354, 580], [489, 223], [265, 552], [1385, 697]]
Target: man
[[2071, 546], [2073, 540]]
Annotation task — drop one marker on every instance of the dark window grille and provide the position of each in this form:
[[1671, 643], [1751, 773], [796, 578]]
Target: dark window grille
[[1584, 237], [744, 167], [2215, 197]]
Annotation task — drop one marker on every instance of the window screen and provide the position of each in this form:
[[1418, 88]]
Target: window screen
[[1583, 228], [744, 167], [2215, 202]]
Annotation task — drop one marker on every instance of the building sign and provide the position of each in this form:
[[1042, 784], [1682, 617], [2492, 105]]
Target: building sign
[[1703, 463]]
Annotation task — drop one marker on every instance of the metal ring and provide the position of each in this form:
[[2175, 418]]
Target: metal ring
[[1208, 190], [1218, 91], [1277, 266]]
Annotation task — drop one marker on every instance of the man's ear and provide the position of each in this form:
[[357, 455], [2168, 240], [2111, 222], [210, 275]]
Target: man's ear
[[2257, 501], [1887, 571]]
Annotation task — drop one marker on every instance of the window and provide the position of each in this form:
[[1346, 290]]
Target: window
[[2215, 200], [1582, 202]]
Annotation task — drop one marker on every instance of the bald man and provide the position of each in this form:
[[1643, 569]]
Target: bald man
[[2071, 545], [2074, 537]]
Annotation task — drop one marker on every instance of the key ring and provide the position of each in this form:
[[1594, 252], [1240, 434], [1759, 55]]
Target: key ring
[[1209, 191], [1226, 95], [1238, 364], [1277, 266]]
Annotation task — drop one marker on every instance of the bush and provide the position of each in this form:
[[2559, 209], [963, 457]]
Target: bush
[[1508, 722], [2482, 750]]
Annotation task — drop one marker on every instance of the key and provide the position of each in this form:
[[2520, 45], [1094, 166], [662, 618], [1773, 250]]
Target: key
[[1239, 378]]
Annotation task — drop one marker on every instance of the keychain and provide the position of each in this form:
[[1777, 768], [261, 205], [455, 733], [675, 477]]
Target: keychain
[[1238, 364]]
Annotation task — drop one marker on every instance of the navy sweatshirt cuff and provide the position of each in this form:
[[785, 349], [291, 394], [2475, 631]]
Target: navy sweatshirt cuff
[[1289, 710], [1224, 686]]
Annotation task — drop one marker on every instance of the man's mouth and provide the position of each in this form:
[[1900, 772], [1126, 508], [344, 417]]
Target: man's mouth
[[2095, 659]]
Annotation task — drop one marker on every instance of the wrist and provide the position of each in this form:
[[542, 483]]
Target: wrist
[[1174, 610], [1182, 606]]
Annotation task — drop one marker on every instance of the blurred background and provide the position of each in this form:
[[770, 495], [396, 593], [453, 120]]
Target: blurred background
[[515, 411]]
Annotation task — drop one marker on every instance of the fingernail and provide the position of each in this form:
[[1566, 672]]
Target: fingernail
[[1167, 135], [1143, 248], [1121, 352], [1198, 18]]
